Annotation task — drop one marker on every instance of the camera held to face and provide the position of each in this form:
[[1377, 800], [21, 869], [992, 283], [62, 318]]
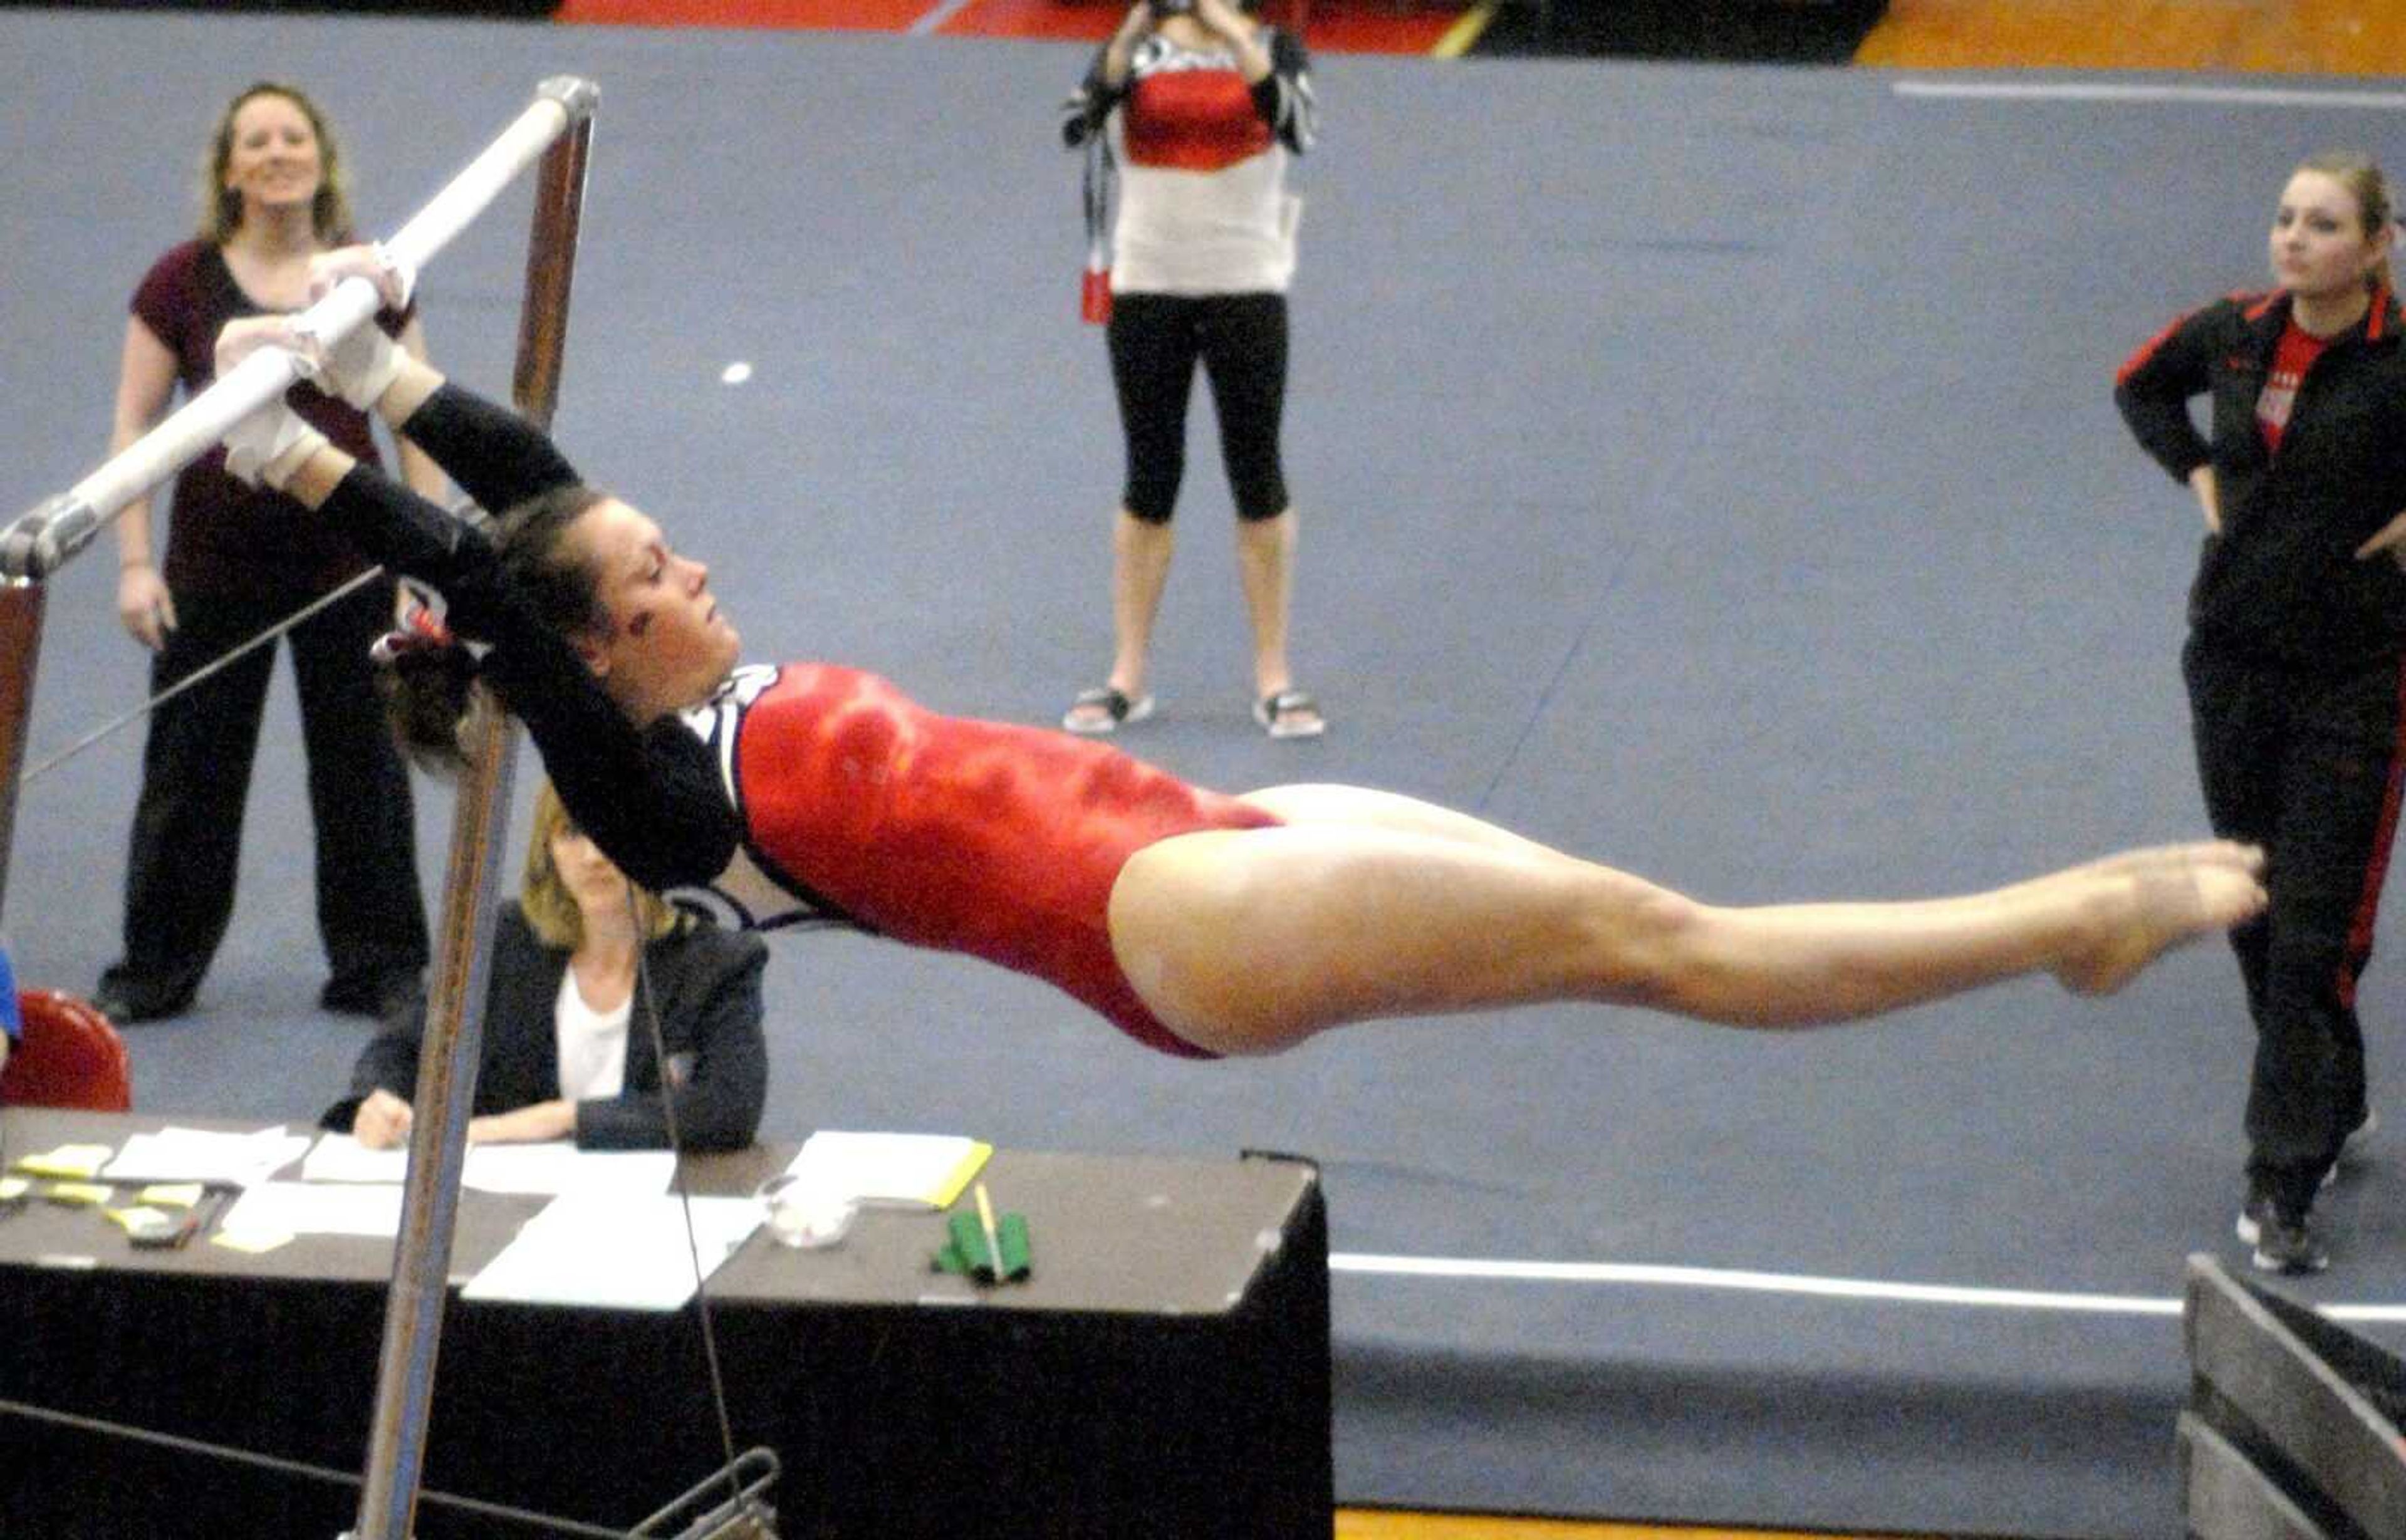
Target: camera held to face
[[1164, 9]]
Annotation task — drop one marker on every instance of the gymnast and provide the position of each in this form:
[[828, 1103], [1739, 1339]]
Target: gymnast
[[1201, 924]]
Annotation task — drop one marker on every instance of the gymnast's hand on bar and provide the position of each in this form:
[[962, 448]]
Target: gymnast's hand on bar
[[273, 442], [391, 276], [241, 338], [359, 367]]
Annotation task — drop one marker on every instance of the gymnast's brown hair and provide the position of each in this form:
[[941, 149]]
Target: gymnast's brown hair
[[430, 689]]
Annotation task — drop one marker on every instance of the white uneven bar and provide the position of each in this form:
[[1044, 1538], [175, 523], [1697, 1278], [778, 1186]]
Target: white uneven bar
[[452, 209], [181, 439], [46, 538]]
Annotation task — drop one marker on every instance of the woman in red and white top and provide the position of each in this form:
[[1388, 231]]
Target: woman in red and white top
[[2296, 638], [1201, 107]]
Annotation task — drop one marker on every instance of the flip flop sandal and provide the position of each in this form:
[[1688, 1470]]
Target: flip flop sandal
[[1117, 710], [1289, 713]]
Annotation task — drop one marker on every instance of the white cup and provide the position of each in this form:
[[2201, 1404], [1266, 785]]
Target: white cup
[[803, 1216]]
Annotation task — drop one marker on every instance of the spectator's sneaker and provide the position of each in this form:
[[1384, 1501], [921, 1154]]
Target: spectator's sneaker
[[2280, 1245], [2252, 1215]]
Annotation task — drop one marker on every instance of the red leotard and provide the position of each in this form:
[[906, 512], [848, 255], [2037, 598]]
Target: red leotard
[[987, 838]]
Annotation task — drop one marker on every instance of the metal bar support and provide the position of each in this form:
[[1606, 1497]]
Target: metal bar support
[[447, 1059]]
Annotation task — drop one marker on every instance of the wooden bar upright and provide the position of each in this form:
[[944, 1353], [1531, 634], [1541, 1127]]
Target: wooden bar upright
[[20, 646]]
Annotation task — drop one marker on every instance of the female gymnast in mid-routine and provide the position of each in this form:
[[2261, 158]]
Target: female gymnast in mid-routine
[[1199, 923]]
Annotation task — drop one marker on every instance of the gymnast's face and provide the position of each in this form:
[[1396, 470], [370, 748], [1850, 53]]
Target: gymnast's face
[[668, 647], [272, 156], [2320, 247]]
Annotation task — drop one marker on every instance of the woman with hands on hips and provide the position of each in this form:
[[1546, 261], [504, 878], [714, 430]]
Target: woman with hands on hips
[[2296, 654], [567, 1040]]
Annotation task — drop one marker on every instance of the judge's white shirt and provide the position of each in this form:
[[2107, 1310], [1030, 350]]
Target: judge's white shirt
[[592, 1043]]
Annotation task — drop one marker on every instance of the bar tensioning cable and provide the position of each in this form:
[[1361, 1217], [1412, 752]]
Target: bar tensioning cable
[[45, 539]]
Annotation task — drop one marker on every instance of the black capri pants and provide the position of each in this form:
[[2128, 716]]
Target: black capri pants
[[1240, 340]]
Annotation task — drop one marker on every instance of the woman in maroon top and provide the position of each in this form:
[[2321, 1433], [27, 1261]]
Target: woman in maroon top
[[2297, 649], [238, 561]]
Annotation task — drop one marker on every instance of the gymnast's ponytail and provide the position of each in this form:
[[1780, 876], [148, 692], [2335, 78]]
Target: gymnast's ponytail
[[428, 676]]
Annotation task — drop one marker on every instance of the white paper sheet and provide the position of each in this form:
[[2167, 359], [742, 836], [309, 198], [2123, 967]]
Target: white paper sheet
[[615, 1252], [914, 1170], [543, 1170], [302, 1209], [562, 1170], [340, 1157], [198, 1154]]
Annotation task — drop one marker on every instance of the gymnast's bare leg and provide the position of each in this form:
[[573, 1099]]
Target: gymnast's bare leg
[[1368, 905]]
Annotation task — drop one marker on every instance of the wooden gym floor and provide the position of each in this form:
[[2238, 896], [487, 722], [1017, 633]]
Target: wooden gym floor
[[2275, 37]]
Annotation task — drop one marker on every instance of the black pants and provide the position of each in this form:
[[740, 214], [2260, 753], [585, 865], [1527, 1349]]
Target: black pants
[[179, 872], [2307, 765], [1240, 340]]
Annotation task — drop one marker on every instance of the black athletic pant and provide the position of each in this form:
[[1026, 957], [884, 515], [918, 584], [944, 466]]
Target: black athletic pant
[[187, 840], [1240, 340], [2304, 763]]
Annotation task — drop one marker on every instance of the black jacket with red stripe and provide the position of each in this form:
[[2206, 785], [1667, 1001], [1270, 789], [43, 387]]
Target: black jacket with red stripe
[[2282, 579]]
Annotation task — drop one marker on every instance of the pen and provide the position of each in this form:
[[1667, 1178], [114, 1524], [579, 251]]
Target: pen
[[993, 1239]]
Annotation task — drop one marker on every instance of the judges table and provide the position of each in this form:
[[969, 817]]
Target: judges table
[[1163, 1371]]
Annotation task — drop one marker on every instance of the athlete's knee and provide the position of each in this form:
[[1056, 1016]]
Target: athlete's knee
[[1155, 466], [1256, 475], [1654, 948]]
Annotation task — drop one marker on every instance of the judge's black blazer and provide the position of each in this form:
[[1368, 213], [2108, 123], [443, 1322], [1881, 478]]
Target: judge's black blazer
[[707, 984]]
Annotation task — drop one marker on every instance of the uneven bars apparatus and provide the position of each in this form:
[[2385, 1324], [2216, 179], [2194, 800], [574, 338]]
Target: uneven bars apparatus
[[556, 128]]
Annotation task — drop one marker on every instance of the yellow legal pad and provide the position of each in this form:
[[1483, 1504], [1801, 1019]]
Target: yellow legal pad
[[908, 1170]]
